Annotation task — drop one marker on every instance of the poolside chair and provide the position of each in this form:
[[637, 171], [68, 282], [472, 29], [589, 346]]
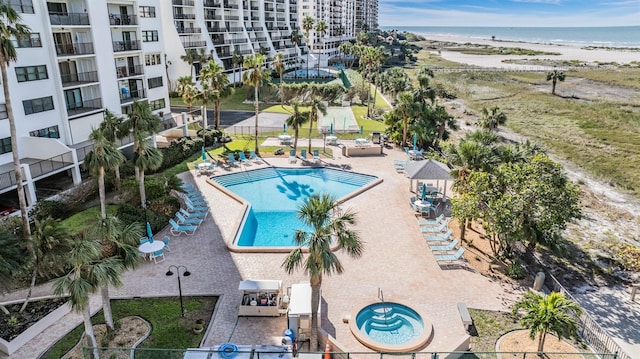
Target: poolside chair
[[446, 247], [438, 237], [166, 243], [200, 215], [157, 254], [144, 240], [196, 201], [292, 156], [188, 221], [242, 157], [303, 155], [232, 160], [195, 204], [399, 165], [177, 229], [436, 229], [316, 156], [434, 222], [450, 257], [253, 157], [197, 209], [406, 150]]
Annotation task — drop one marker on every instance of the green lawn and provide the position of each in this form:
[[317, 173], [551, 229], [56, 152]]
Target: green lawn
[[233, 102], [169, 329], [85, 220]]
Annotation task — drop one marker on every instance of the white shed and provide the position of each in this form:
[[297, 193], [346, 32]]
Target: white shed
[[299, 314]]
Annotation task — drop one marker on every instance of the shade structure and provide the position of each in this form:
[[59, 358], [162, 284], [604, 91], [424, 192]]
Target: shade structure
[[429, 170], [149, 233], [204, 154]]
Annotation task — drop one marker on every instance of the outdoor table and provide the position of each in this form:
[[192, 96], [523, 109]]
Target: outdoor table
[[361, 141], [285, 139], [332, 140], [150, 247], [414, 154], [422, 204]]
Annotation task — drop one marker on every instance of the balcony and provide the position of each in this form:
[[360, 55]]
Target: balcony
[[230, 6], [255, 8], [68, 18], [82, 48], [259, 28], [184, 16], [192, 44], [189, 30], [235, 29], [238, 41], [211, 3], [77, 108], [216, 29], [122, 20], [232, 17], [212, 17], [119, 46], [245, 52], [79, 78], [183, 2], [280, 1], [220, 42], [3, 111], [223, 54], [269, 18], [129, 71], [130, 96]]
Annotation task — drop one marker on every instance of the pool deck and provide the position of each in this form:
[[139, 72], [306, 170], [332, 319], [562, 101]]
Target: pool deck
[[396, 260]]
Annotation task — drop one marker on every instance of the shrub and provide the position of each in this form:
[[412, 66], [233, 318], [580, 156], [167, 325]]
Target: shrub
[[48, 208], [154, 187], [515, 270], [211, 136]]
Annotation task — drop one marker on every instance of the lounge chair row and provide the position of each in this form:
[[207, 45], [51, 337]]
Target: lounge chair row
[[441, 243], [187, 220], [303, 156], [242, 158]]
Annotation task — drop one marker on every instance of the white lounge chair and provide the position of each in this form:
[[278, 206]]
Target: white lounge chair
[[437, 229], [177, 229], [439, 237], [434, 222], [450, 257], [446, 247]]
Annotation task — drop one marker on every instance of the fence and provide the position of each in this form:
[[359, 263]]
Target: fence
[[588, 329], [276, 352]]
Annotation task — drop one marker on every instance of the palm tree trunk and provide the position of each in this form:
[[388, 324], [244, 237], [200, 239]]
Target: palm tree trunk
[[308, 50], [136, 171], [118, 181], [217, 119], [143, 193], [316, 282], [255, 101], [404, 130], [32, 285], [369, 101], [295, 140], [88, 332], [553, 87], [106, 308], [311, 127], [543, 335], [26, 229], [101, 191]]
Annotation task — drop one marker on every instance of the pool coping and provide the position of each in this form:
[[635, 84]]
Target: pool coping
[[421, 341], [246, 205]]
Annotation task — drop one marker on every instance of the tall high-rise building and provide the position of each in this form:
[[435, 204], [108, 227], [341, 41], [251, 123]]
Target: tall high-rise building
[[366, 15]]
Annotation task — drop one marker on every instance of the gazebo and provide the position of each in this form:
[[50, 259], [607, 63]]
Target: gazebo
[[431, 172]]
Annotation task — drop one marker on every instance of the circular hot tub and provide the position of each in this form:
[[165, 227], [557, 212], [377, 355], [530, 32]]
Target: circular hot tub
[[390, 327]]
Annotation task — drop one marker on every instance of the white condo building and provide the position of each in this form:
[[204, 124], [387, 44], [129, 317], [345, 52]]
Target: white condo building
[[366, 15]]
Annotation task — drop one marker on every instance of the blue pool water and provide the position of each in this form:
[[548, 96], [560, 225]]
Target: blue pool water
[[276, 194], [312, 73], [390, 323]]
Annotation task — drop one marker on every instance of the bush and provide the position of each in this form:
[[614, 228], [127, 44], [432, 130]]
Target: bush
[[154, 187], [48, 208], [211, 136], [515, 270]]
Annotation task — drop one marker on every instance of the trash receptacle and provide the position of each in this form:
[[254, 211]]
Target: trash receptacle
[[538, 282], [289, 333]]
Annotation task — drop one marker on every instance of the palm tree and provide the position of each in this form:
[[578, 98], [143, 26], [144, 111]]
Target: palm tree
[[329, 227], [191, 56], [490, 120], [345, 48], [555, 76], [307, 25], [317, 107], [254, 76], [296, 39], [103, 157], [142, 122], [87, 273], [378, 59], [113, 130], [217, 82], [119, 243], [237, 59], [295, 121], [321, 29], [11, 260], [278, 64], [405, 105], [10, 28], [188, 91], [548, 313]]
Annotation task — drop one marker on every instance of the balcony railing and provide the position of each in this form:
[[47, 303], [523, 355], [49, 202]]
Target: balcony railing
[[212, 17], [211, 3], [80, 77], [191, 44], [232, 17], [216, 29], [183, 2], [245, 52], [230, 6], [129, 96], [220, 42], [189, 30], [76, 108], [82, 48], [184, 16], [269, 18], [234, 29], [258, 28], [128, 71], [261, 39], [7, 179], [119, 46], [255, 8], [49, 165], [120, 19], [68, 18], [280, 1], [238, 41], [3, 111]]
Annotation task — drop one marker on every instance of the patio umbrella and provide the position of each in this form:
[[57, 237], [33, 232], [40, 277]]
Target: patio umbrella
[[415, 140], [149, 233], [204, 154], [284, 128], [361, 130], [331, 129], [423, 192]]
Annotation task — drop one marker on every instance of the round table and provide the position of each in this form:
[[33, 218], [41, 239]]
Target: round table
[[150, 247], [422, 204], [332, 140], [415, 154], [285, 139]]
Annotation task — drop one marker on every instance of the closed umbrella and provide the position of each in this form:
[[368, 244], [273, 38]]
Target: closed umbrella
[[204, 154], [415, 141], [423, 190], [149, 233], [361, 130], [331, 129], [284, 128]]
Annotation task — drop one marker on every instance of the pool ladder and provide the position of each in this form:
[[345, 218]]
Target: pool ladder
[[384, 309]]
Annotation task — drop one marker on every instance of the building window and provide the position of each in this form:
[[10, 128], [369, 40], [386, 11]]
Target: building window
[[37, 105], [3, 112], [150, 36], [157, 104], [155, 82], [23, 6], [152, 59], [5, 145], [30, 40], [49, 132], [31, 73], [147, 11]]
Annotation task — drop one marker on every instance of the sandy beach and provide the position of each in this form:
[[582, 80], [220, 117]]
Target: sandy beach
[[568, 52]]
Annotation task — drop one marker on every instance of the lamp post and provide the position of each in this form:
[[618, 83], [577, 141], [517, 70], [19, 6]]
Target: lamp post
[[185, 273]]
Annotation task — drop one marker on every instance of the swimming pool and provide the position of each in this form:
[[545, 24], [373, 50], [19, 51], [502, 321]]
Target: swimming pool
[[312, 73], [275, 194]]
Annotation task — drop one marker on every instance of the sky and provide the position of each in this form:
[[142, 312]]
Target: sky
[[510, 13]]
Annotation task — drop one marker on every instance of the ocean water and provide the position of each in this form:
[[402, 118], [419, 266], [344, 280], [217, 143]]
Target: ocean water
[[622, 36]]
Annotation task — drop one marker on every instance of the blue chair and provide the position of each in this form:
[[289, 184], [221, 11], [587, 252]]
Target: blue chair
[[254, 157], [292, 156], [434, 222], [232, 160], [446, 247], [177, 229], [157, 254], [199, 209], [166, 243], [188, 221], [242, 157], [437, 229], [303, 155], [144, 240], [450, 257], [439, 237], [316, 155], [186, 214]]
